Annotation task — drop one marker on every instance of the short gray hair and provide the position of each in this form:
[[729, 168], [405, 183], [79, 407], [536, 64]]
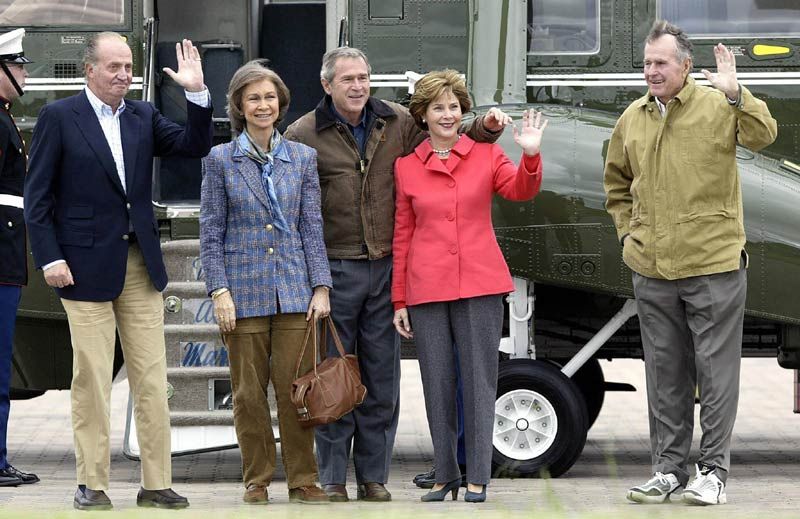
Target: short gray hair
[[328, 70], [662, 28], [249, 73], [90, 52]]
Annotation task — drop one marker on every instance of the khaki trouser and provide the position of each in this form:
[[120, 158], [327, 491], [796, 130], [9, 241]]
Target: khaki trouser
[[260, 348], [138, 314]]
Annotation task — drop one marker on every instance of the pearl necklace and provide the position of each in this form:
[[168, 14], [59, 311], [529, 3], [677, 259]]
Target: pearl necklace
[[445, 152]]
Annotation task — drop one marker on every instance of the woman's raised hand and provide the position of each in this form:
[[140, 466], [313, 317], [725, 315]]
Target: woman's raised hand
[[529, 137]]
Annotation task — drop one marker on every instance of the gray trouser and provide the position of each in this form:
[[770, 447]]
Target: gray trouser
[[474, 324], [692, 336], [361, 307]]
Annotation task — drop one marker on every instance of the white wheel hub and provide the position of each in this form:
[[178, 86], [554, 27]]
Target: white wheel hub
[[525, 424]]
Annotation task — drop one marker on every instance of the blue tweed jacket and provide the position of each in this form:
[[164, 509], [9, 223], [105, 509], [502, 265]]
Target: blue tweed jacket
[[240, 247]]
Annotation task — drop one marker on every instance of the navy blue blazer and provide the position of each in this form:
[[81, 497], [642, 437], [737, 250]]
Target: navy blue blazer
[[75, 206]]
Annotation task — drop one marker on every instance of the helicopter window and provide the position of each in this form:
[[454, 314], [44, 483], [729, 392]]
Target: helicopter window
[[563, 26], [58, 13], [734, 18]]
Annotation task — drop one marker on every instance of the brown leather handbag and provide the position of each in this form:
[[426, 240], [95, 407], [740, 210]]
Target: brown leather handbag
[[330, 390]]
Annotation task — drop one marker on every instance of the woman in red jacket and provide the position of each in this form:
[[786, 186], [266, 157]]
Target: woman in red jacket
[[449, 275]]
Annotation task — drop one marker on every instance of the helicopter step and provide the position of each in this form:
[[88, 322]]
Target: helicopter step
[[198, 379]]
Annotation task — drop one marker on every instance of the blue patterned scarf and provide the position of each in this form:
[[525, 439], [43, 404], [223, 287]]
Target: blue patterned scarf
[[266, 159]]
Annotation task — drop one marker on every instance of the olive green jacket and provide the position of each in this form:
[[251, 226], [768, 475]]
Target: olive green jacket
[[672, 184]]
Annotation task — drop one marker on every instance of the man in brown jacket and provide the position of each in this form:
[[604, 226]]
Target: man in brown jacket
[[358, 137], [673, 191]]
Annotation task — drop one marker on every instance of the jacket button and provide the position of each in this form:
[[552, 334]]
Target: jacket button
[[271, 250], [453, 249], [128, 206], [125, 237], [269, 226], [452, 183], [451, 217], [10, 224]]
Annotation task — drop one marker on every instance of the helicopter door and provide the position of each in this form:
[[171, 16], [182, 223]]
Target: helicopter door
[[223, 34], [293, 39]]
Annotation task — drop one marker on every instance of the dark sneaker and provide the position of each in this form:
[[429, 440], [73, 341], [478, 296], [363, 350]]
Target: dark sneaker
[[336, 493], [88, 499], [25, 478], [166, 498], [373, 492], [706, 488], [309, 495], [256, 494], [656, 490]]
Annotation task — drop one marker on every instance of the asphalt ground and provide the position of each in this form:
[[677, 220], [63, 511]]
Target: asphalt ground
[[764, 480]]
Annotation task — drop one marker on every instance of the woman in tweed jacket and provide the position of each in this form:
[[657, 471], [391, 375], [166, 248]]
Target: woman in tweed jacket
[[267, 272]]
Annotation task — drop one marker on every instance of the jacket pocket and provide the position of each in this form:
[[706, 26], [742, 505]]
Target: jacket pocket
[[80, 212], [342, 223], [699, 146], [75, 238], [705, 239], [637, 248]]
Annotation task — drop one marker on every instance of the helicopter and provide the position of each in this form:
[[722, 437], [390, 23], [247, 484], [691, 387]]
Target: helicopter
[[578, 61]]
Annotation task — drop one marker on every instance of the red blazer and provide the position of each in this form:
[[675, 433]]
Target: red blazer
[[444, 244]]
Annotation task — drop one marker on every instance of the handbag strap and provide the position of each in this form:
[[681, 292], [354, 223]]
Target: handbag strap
[[328, 321], [311, 331]]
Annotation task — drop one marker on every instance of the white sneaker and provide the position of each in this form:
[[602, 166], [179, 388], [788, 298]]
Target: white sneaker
[[655, 491], [706, 488]]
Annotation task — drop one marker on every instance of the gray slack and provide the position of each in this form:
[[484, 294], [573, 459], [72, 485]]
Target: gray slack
[[692, 336], [361, 307], [474, 324]]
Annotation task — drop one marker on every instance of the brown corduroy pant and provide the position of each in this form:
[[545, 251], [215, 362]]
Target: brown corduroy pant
[[260, 349]]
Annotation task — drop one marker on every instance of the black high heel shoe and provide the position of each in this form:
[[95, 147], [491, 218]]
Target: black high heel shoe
[[439, 495], [475, 497]]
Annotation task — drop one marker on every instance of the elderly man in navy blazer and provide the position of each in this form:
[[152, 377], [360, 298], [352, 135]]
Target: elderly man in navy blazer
[[93, 232]]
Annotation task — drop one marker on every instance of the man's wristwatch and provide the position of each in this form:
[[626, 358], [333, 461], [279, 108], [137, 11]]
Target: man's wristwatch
[[738, 102]]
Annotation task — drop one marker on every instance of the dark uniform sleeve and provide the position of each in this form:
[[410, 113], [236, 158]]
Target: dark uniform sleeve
[[13, 266]]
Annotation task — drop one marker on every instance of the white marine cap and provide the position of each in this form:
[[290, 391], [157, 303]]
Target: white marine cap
[[11, 47]]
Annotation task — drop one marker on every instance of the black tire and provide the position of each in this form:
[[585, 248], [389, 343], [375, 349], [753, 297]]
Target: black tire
[[591, 383], [544, 381]]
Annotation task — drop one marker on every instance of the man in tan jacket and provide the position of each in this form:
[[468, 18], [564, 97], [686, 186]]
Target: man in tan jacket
[[674, 193]]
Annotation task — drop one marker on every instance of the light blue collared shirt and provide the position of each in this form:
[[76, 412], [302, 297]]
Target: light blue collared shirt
[[109, 122]]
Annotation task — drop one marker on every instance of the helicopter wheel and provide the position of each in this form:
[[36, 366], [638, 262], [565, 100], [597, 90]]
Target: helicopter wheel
[[540, 420]]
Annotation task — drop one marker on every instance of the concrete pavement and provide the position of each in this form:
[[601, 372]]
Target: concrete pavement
[[764, 480]]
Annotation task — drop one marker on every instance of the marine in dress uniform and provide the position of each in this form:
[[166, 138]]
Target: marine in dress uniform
[[13, 266]]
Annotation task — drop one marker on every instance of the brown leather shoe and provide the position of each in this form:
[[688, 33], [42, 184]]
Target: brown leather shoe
[[336, 493], [309, 495], [256, 494], [373, 492]]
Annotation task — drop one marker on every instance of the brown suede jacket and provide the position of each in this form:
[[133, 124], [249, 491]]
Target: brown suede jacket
[[358, 192]]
